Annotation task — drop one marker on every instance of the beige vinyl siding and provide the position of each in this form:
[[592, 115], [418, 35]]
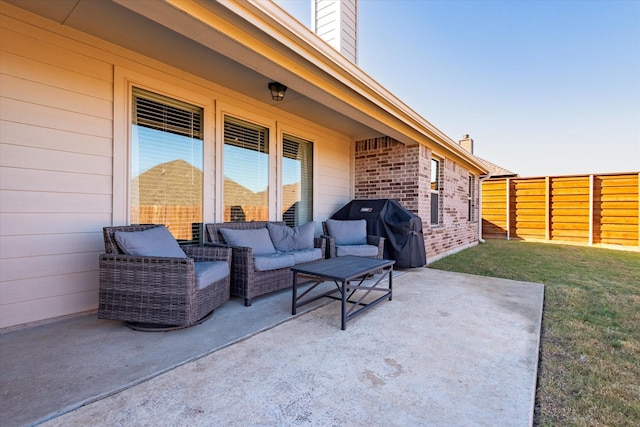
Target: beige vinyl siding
[[57, 151], [334, 182], [55, 174]]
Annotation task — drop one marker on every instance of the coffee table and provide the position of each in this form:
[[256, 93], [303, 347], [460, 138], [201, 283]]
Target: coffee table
[[343, 270]]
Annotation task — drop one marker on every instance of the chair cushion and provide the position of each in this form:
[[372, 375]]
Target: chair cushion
[[306, 255], [208, 272], [287, 239], [273, 261], [349, 232], [357, 250], [156, 242], [258, 239]]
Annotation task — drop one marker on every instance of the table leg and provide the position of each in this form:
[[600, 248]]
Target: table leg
[[344, 305], [295, 293]]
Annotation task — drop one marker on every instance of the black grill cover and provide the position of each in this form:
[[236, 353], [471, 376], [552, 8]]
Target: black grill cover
[[401, 228]]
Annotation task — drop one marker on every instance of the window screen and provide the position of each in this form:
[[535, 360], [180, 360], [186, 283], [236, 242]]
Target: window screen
[[166, 163]]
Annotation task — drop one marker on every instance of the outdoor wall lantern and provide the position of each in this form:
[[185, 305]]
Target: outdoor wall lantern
[[277, 91]]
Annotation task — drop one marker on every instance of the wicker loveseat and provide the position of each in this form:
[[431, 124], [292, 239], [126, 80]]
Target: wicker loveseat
[[161, 292], [250, 277]]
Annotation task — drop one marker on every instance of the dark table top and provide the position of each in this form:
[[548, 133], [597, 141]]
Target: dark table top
[[343, 268]]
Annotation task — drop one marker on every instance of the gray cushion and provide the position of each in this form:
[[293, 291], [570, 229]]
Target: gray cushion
[[290, 239], [349, 232], [273, 261], [357, 250], [208, 272], [156, 241], [258, 239], [306, 255]]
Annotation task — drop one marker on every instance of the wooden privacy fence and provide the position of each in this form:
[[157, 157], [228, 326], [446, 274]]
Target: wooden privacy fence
[[587, 209]]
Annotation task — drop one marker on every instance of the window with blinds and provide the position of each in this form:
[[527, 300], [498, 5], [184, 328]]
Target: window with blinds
[[470, 197], [297, 181], [246, 171], [166, 163], [435, 192]]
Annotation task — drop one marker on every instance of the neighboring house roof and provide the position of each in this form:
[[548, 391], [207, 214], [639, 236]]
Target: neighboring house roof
[[147, 186], [496, 171], [244, 45]]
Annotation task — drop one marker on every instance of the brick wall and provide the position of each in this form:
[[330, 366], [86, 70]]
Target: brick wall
[[387, 169]]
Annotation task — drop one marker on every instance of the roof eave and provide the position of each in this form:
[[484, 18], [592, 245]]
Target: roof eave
[[306, 63]]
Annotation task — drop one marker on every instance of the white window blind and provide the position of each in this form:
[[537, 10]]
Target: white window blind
[[166, 163]]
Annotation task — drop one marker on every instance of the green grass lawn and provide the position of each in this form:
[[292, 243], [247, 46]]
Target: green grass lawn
[[589, 371]]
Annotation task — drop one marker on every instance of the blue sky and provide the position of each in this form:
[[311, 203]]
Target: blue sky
[[543, 87]]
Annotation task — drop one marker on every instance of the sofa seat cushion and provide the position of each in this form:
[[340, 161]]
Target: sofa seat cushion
[[348, 232], [208, 272], [153, 242], [267, 262], [357, 250], [287, 239], [258, 240], [307, 255]]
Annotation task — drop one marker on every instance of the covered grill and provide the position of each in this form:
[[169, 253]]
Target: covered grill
[[401, 228]]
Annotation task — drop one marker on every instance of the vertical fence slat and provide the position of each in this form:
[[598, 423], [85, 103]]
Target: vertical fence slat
[[547, 207], [508, 206]]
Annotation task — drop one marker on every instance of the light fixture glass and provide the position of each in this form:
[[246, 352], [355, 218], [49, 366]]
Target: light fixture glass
[[277, 91]]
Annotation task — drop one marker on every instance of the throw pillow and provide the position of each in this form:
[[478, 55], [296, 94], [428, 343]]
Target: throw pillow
[[258, 239], [348, 232], [287, 239], [156, 241]]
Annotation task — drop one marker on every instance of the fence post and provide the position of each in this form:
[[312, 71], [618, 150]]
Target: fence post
[[547, 208], [508, 204], [591, 201]]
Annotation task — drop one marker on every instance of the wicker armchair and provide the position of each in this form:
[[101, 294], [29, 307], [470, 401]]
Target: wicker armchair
[[376, 241], [158, 293], [246, 281]]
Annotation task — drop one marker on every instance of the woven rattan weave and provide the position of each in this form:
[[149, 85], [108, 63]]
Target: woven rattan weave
[[157, 290], [246, 281]]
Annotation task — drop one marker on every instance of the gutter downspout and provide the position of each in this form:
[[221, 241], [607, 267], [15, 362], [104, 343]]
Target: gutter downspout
[[480, 180]]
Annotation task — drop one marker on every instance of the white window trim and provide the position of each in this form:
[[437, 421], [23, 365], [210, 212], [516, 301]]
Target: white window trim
[[124, 80]]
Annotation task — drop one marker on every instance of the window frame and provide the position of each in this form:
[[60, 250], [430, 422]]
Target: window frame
[[268, 145], [292, 132], [223, 110], [124, 81], [471, 198], [437, 192], [154, 112]]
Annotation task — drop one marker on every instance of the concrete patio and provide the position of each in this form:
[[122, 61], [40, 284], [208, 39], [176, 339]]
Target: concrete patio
[[450, 349]]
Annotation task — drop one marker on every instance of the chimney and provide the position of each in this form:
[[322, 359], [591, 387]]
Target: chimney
[[336, 22], [467, 143]]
